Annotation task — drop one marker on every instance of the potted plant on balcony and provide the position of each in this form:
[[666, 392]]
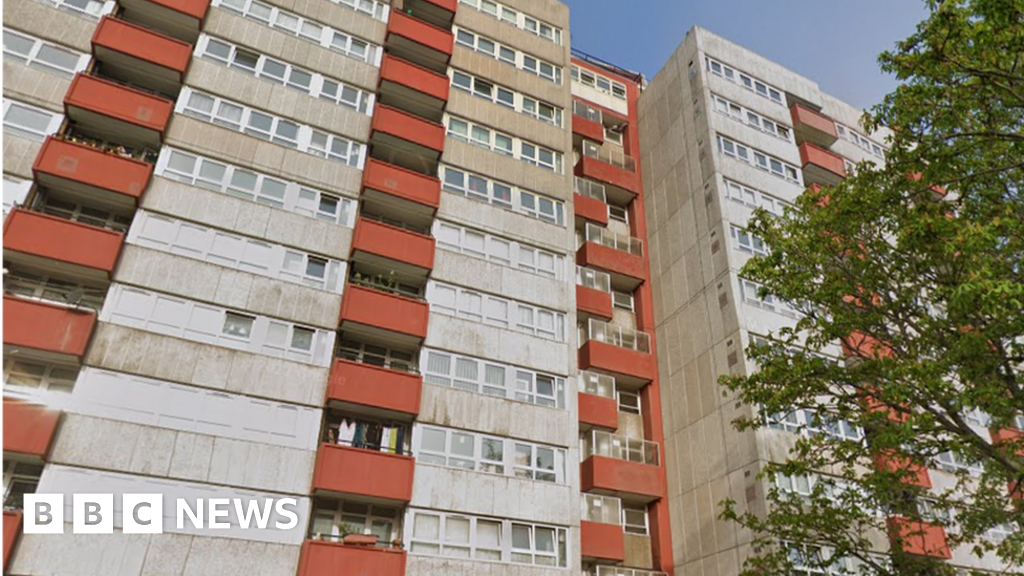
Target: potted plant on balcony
[[350, 535]]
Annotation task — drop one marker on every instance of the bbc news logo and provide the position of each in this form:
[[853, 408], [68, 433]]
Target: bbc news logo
[[144, 513]]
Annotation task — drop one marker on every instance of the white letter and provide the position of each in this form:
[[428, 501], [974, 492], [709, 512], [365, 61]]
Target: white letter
[[92, 514], [215, 513], [184, 508], [253, 510], [279, 506], [134, 521], [44, 513]]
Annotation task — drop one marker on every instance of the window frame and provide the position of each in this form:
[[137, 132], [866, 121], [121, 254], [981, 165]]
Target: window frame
[[506, 54], [481, 382], [53, 124]]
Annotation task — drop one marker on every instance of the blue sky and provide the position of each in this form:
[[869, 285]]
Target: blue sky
[[834, 42]]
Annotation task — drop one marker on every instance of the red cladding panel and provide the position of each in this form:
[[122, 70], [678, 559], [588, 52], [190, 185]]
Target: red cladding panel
[[408, 127], [595, 169], [142, 43], [62, 240], [588, 129], [816, 121], [47, 327], [813, 155], [368, 473], [394, 243], [320, 558], [920, 538], [28, 428], [621, 477], [617, 360], [369, 385], [603, 542], [12, 529], [594, 302], [590, 209], [598, 411], [60, 159], [119, 102], [594, 255], [418, 31], [416, 77], [387, 311]]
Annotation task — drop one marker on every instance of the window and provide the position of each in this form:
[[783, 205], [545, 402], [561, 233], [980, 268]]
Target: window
[[312, 83], [460, 536], [24, 374], [750, 83], [860, 140], [234, 251], [750, 292], [20, 478], [492, 378], [629, 402], [377, 355], [43, 55], [519, 20], [634, 519], [309, 30], [760, 160], [503, 144], [751, 118], [618, 213], [516, 316], [747, 242], [805, 421], [89, 8], [493, 454], [332, 519], [28, 121], [84, 214], [507, 196], [613, 135], [500, 250], [506, 97], [213, 175], [15, 192], [506, 54], [604, 84], [595, 279], [754, 198], [53, 290], [954, 462], [622, 300]]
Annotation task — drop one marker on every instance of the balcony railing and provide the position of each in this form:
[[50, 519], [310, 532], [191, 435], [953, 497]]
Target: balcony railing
[[603, 509], [598, 443], [609, 156], [386, 284], [594, 279], [590, 189], [147, 155], [618, 336], [597, 384], [587, 112], [610, 239], [44, 289], [619, 571]]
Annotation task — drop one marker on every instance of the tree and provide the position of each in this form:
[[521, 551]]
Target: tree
[[923, 290]]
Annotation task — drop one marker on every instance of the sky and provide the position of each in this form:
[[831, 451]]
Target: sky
[[833, 42]]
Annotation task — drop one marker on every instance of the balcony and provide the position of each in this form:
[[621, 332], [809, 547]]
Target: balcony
[[602, 542], [416, 41], [628, 468], [57, 245], [406, 140], [821, 166], [597, 406], [12, 529], [386, 393], [89, 176], [618, 254], [919, 538], [367, 474], [412, 88], [368, 313], [440, 13], [28, 428], [593, 293], [383, 246], [117, 113], [813, 126], [48, 329], [610, 167], [918, 475], [624, 353], [181, 19], [141, 56], [590, 202], [587, 123], [318, 558], [404, 194]]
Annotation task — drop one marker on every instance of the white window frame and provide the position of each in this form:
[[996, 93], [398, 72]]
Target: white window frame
[[370, 519], [319, 86], [481, 460], [54, 378], [391, 359], [754, 198], [497, 249], [34, 59], [507, 196], [514, 315], [485, 137], [629, 402], [220, 177], [44, 288], [747, 81], [862, 142], [635, 519], [748, 242], [760, 160], [503, 13], [12, 474], [421, 545], [505, 97], [749, 293], [491, 378], [804, 422], [53, 122], [222, 248], [622, 300], [600, 82], [507, 54], [747, 116], [93, 9], [15, 191]]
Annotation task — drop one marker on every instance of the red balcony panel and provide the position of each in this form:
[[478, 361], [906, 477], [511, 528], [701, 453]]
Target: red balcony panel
[[73, 243], [368, 473], [181, 19], [319, 558], [602, 542], [595, 169], [386, 311], [920, 538], [813, 126], [368, 385], [588, 129], [1003, 435], [918, 475], [448, 5], [402, 183], [12, 529], [621, 477], [821, 166], [598, 411], [118, 112], [594, 302], [590, 209], [412, 129], [193, 8], [418, 78], [28, 428], [594, 255], [617, 360], [393, 243], [141, 45], [415, 30], [46, 327], [65, 166]]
